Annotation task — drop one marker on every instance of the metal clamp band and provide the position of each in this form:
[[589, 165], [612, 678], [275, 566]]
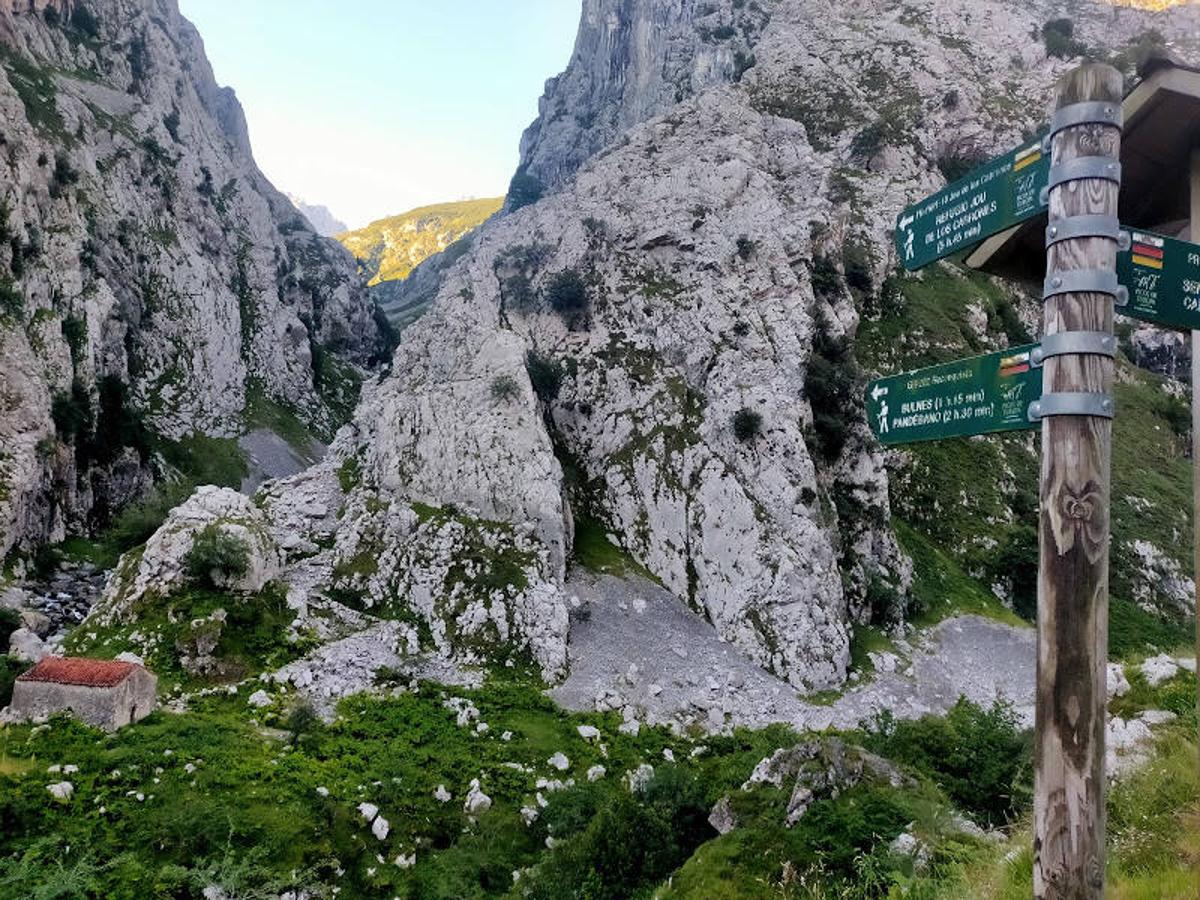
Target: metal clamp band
[[1082, 281], [1085, 167], [1073, 404], [1082, 227], [1094, 112], [1092, 343]]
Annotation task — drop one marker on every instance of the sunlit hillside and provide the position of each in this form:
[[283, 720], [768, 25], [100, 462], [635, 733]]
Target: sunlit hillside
[[391, 248]]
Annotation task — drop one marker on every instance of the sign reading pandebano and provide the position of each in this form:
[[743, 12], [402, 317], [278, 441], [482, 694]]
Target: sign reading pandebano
[[981, 395], [1163, 278], [1004, 193]]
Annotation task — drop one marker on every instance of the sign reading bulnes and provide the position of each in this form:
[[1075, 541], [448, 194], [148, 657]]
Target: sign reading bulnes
[[1163, 278], [981, 395], [999, 195]]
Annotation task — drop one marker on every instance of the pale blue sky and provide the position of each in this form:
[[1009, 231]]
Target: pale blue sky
[[372, 107]]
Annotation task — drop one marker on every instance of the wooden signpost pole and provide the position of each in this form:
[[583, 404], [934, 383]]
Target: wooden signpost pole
[[1069, 816], [1194, 236]]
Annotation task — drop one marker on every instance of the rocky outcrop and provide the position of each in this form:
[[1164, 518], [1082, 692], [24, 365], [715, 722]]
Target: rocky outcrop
[[162, 566], [685, 299], [152, 281], [819, 769]]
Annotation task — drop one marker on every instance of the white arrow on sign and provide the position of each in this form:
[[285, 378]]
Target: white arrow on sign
[[906, 222], [877, 392]]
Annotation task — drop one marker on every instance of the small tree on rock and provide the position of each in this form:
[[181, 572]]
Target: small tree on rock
[[747, 424], [217, 556]]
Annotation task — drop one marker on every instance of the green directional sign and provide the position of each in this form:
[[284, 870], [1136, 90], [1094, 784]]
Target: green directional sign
[[981, 395], [1005, 192], [1163, 278]]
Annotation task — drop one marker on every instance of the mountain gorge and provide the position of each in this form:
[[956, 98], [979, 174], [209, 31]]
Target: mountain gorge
[[157, 286], [602, 586]]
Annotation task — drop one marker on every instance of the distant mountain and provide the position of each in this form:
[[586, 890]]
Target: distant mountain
[[388, 250], [324, 222]]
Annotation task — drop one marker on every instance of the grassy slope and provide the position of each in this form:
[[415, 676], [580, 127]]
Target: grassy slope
[[391, 248], [987, 525]]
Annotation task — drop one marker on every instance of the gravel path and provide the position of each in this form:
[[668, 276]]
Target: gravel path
[[635, 647], [270, 456]]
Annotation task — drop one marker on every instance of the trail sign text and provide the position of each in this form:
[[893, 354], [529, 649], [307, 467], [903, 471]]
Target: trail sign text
[[996, 196], [981, 395]]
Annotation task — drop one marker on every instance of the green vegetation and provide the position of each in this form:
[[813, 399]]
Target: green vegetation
[[953, 523], [264, 412], [504, 389], [389, 249], [546, 375], [10, 669], [595, 552], [242, 634], [10, 621], [979, 757], [35, 86], [12, 304], [216, 555], [524, 190], [1058, 35], [568, 296], [747, 424]]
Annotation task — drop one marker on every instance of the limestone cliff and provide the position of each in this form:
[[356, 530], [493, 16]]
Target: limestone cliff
[[670, 345], [721, 181], [152, 281]]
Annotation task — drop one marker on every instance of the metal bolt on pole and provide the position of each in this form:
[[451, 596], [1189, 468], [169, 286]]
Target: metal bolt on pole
[[1076, 413]]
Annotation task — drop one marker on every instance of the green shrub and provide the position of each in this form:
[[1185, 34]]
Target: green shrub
[[978, 756], [1017, 562], [524, 190], [619, 844], [10, 621], [134, 525], [302, 720], [830, 385], [568, 296], [12, 304], [1058, 35], [75, 333], [72, 415], [64, 175], [118, 425], [84, 21], [505, 388], [858, 265], [954, 166], [747, 424], [349, 474], [518, 291], [9, 670], [545, 374], [216, 555], [826, 279]]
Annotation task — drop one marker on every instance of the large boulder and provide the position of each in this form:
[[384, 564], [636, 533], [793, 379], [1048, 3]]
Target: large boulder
[[815, 770]]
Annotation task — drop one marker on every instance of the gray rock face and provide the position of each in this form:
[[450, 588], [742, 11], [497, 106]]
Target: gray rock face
[[142, 243], [705, 182], [633, 60]]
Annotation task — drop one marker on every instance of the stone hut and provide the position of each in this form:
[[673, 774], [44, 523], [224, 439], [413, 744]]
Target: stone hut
[[104, 693]]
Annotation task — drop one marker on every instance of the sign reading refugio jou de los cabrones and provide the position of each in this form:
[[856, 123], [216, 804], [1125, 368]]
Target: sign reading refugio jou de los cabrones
[[999, 195], [980, 395]]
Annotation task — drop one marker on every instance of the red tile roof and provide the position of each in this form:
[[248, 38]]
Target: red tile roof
[[85, 672]]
